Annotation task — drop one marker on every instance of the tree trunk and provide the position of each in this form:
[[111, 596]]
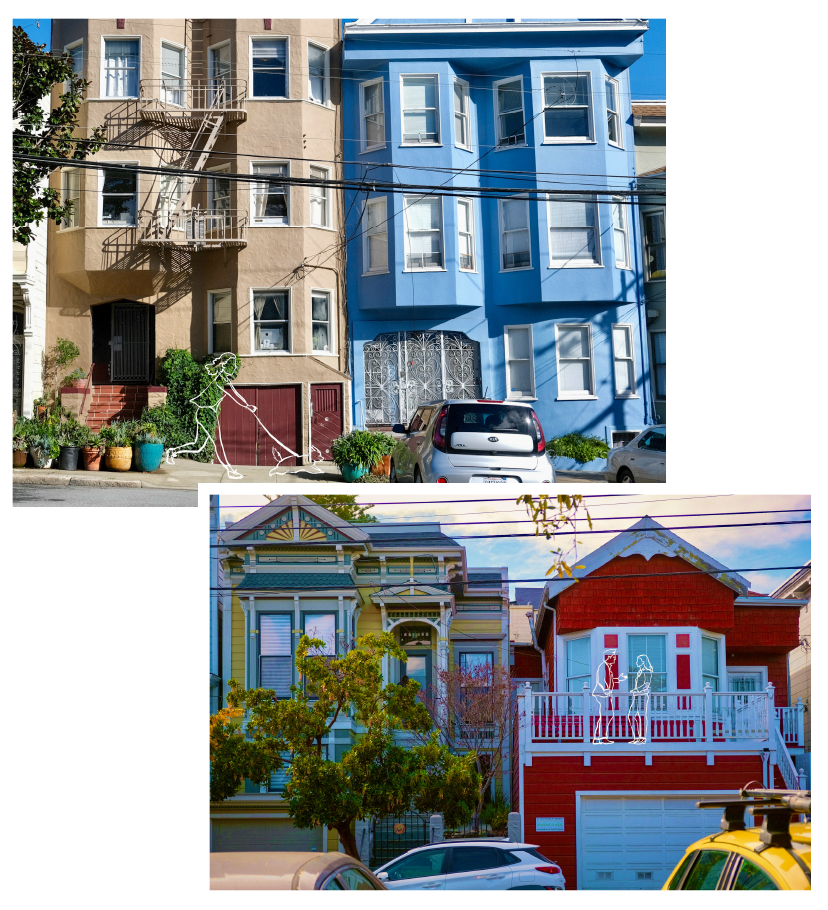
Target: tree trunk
[[347, 839]]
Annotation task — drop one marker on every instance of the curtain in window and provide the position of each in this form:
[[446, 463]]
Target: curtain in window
[[316, 73], [320, 314], [420, 109], [121, 63], [276, 655], [279, 779], [270, 201], [271, 326], [269, 68], [373, 113], [572, 230], [573, 359]]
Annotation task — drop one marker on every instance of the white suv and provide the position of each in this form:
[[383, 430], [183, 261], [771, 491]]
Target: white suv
[[472, 865]]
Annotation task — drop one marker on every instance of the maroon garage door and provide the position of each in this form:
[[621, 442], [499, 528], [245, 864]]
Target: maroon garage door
[[326, 423], [244, 437]]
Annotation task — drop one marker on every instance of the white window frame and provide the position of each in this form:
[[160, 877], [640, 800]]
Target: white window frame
[[253, 351], [598, 263], [183, 76], [331, 322], [66, 49], [575, 396], [209, 174], [326, 194], [565, 140], [471, 233], [101, 177], [268, 222], [250, 42], [501, 232], [366, 260], [498, 136], [327, 77], [619, 128], [631, 359], [436, 77], [76, 209], [531, 359], [104, 39], [720, 666], [466, 114], [406, 205], [210, 313], [623, 230], [738, 671], [363, 133]]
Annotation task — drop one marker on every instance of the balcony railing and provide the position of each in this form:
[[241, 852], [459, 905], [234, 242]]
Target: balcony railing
[[195, 228], [177, 100]]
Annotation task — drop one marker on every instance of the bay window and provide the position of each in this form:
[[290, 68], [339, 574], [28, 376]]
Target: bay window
[[375, 238], [318, 74], [654, 648], [276, 653], [509, 112], [566, 107], [424, 232], [271, 321], [75, 51], [321, 319], [172, 74], [461, 114], [710, 663], [515, 250], [322, 626], [268, 65], [613, 117], [119, 197], [655, 261], [619, 233], [121, 67], [70, 179], [420, 110], [578, 670], [373, 115], [465, 231], [320, 197], [660, 363], [270, 199], [220, 321], [573, 232]]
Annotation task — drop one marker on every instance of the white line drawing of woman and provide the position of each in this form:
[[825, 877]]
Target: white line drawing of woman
[[607, 682], [640, 700]]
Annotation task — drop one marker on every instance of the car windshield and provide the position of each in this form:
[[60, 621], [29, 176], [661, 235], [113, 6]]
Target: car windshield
[[482, 417]]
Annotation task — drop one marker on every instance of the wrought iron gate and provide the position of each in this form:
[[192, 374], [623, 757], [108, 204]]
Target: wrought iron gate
[[395, 835], [17, 362], [130, 343], [404, 369]]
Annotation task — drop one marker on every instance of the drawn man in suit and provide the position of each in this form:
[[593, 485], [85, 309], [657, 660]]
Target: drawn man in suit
[[606, 682]]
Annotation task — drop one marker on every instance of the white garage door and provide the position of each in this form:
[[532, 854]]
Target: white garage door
[[633, 843], [231, 834]]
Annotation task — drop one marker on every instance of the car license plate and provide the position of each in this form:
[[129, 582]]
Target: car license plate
[[492, 480]]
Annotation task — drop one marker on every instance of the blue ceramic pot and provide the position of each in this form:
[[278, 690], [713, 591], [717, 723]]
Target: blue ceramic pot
[[350, 472], [148, 456]]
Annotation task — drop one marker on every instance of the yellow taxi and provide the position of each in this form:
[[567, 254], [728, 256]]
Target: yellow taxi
[[775, 856]]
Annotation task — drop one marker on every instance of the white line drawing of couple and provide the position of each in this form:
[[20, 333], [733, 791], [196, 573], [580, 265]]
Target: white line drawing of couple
[[640, 700], [606, 683], [220, 370]]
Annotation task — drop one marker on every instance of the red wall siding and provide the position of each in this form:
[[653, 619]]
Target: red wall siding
[[550, 785], [527, 663], [775, 628]]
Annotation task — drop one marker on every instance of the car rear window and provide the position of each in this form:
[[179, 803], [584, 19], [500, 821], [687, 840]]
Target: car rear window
[[480, 417], [535, 854]]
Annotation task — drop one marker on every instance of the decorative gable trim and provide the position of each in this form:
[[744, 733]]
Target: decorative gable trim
[[306, 521]]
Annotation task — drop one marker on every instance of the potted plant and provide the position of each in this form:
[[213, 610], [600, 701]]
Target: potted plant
[[43, 447], [75, 380], [92, 451], [64, 352], [118, 439], [70, 436], [358, 452], [20, 441], [149, 448]]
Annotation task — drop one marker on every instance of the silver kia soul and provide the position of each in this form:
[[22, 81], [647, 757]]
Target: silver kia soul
[[479, 441]]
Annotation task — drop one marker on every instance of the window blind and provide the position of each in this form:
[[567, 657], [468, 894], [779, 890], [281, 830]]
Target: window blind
[[276, 654], [571, 225]]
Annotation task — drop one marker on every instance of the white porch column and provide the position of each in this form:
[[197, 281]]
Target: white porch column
[[585, 715], [772, 730], [800, 723], [527, 715], [708, 713], [340, 630]]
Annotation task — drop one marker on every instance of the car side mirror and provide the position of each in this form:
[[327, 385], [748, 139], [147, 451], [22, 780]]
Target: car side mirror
[[398, 428], [382, 876]]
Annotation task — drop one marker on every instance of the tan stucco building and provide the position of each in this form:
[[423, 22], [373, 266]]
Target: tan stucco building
[[218, 263]]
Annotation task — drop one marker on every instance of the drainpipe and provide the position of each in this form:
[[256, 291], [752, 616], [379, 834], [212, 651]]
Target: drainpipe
[[531, 617]]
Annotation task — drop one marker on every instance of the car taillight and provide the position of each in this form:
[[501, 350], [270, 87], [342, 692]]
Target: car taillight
[[539, 434], [549, 870], [439, 438], [441, 480]]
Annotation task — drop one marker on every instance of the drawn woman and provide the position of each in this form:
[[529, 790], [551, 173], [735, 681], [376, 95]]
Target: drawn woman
[[640, 700]]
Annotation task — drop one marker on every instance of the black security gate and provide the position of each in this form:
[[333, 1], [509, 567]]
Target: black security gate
[[393, 836], [130, 342], [17, 362]]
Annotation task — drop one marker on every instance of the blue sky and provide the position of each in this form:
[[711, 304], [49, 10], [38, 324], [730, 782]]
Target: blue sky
[[39, 30]]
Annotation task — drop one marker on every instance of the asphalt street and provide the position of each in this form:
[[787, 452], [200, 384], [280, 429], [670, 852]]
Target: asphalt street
[[51, 496]]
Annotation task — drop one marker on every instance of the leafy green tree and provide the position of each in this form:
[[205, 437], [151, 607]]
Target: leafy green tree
[[377, 776], [346, 507], [37, 133]]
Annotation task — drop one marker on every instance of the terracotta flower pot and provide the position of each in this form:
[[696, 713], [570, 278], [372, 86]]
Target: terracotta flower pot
[[119, 458], [382, 468], [78, 383], [19, 458], [92, 456]]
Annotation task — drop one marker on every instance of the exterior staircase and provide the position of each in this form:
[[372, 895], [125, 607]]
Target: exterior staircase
[[116, 402]]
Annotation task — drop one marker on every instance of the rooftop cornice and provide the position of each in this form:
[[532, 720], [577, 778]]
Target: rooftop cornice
[[571, 25]]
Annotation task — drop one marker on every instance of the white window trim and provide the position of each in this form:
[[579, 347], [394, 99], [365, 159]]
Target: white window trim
[[104, 39], [101, 177], [617, 88], [267, 222], [215, 47], [327, 101], [210, 320], [498, 137], [509, 396], [569, 140], [623, 210], [473, 232], [365, 257], [253, 351], [331, 322], [363, 137], [467, 98], [76, 212], [329, 198], [437, 115], [736, 671], [72, 46], [575, 263], [217, 170], [500, 251], [184, 66], [631, 358], [250, 41], [575, 396], [442, 233]]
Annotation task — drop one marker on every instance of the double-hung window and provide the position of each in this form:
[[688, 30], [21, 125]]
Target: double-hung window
[[321, 318], [219, 63], [322, 626], [710, 663], [461, 114], [655, 261], [423, 232], [509, 112], [624, 359], [268, 64], [420, 110], [271, 321], [613, 117], [70, 179], [573, 348], [373, 115], [520, 367], [318, 74], [221, 307], [218, 202], [514, 234], [169, 195], [619, 232], [654, 649], [172, 74], [577, 664], [279, 779], [270, 200], [465, 233], [119, 197], [573, 232], [320, 197], [276, 653], [660, 363], [75, 51], [375, 249], [566, 108], [121, 67]]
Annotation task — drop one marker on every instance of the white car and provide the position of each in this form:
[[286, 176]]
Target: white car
[[642, 460], [472, 865]]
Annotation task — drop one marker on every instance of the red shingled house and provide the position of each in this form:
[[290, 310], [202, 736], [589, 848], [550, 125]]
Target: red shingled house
[[668, 683]]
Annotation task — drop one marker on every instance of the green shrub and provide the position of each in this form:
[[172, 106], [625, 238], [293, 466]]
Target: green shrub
[[75, 374], [575, 445], [361, 448], [496, 813], [120, 433]]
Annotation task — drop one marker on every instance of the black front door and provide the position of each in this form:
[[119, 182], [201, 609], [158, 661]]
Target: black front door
[[130, 342]]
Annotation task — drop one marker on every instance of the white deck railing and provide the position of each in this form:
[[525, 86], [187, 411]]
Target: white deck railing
[[178, 97], [791, 721], [208, 227]]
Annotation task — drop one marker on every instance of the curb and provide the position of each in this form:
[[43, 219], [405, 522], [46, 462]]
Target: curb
[[64, 480]]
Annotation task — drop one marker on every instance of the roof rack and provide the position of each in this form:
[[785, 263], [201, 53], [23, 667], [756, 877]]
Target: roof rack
[[775, 806]]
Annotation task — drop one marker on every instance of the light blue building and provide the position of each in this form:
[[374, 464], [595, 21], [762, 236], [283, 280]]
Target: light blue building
[[535, 294]]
